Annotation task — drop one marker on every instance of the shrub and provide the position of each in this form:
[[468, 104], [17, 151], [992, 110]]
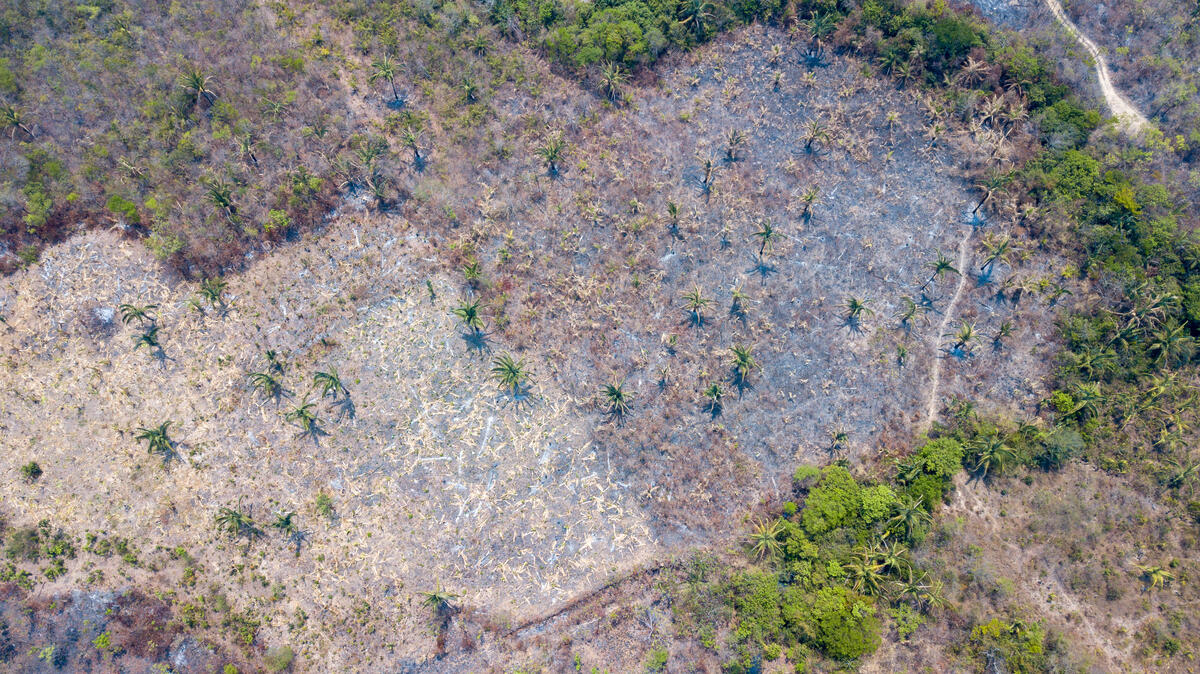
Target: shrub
[[845, 624], [279, 658], [834, 502], [31, 471]]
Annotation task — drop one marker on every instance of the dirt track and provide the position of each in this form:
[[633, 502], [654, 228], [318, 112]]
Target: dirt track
[[1122, 109]]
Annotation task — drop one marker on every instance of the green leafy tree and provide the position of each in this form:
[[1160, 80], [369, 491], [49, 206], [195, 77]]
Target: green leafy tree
[[266, 383], [743, 363], [612, 80], [141, 314], [552, 152], [615, 399], [212, 290], [196, 84], [510, 373], [329, 383], [385, 69], [695, 303], [439, 600], [764, 538], [469, 314]]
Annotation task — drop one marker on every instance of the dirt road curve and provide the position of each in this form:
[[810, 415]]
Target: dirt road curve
[[1122, 109]]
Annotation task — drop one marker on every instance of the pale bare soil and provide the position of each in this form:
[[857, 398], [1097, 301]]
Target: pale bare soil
[[438, 478]]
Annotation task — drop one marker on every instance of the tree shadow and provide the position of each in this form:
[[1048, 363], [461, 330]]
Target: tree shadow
[[853, 324], [814, 57], [762, 268], [313, 431], [397, 103], [521, 398], [297, 539], [476, 341], [345, 407], [739, 382]]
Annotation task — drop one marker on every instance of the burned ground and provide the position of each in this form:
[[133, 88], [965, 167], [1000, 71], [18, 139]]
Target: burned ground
[[437, 478]]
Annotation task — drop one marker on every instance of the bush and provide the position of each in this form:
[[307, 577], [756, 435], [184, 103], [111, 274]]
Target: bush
[[279, 658], [834, 502], [845, 624], [31, 471]]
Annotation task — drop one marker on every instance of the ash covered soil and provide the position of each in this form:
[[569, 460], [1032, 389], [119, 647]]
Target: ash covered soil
[[434, 474]]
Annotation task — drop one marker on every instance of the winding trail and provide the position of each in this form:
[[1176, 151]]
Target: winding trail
[[935, 374], [1131, 120]]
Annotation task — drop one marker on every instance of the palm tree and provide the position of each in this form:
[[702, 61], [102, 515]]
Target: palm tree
[[266, 383], [857, 309], [764, 538], [384, 68], [468, 313], [274, 363], [999, 249], [696, 14], [839, 439], [694, 303], [412, 140], [510, 373], [304, 417], [911, 516], [1171, 341], [767, 235], [236, 523], [612, 80], [816, 131], [991, 454], [196, 83], [709, 168], [285, 522], [894, 558], [1155, 575], [329, 383], [12, 119], [615, 400], [212, 291], [735, 140], [439, 600], [1004, 332], [966, 334], [245, 148], [132, 312], [157, 440], [809, 199], [148, 339], [551, 152], [743, 363], [910, 310], [866, 573], [739, 299], [713, 393], [220, 193], [940, 266], [820, 25]]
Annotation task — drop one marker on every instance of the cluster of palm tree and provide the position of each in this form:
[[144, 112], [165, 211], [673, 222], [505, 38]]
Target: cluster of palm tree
[[326, 384], [237, 523], [145, 317]]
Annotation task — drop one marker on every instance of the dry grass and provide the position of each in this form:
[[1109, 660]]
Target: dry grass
[[438, 477]]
